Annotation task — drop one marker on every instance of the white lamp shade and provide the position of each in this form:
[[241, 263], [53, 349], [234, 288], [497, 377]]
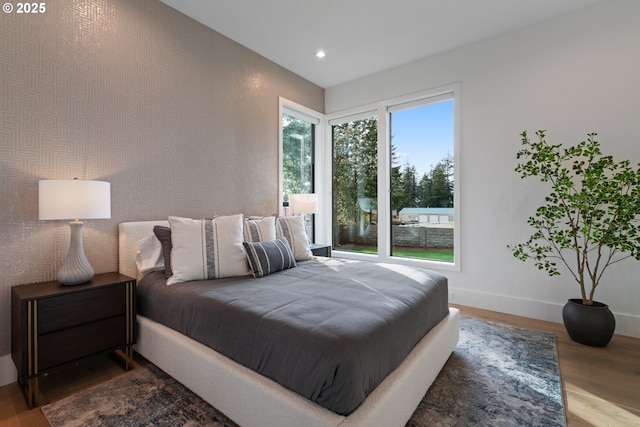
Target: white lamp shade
[[74, 199], [303, 203]]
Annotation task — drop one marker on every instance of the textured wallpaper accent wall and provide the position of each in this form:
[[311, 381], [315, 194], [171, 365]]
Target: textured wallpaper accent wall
[[179, 119]]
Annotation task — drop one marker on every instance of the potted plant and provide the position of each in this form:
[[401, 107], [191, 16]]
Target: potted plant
[[590, 220]]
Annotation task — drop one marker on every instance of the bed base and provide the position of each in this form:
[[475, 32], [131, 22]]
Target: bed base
[[251, 399]]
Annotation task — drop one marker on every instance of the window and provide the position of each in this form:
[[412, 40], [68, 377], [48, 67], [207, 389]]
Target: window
[[393, 181], [297, 156], [422, 181], [355, 184], [299, 132]]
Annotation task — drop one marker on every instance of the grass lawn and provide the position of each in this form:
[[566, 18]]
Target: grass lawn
[[445, 256]]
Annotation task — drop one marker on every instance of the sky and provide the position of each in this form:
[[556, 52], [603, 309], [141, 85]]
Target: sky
[[423, 135]]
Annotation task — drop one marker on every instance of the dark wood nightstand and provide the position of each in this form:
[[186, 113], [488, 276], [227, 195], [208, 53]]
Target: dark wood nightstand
[[53, 324], [320, 250]]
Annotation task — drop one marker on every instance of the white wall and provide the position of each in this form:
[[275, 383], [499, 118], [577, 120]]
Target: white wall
[[570, 76]]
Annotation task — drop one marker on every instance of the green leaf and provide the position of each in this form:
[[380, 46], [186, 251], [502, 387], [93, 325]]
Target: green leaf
[[591, 216]]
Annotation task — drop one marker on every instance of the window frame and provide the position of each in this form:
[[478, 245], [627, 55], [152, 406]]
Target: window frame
[[383, 111], [301, 112], [362, 115]]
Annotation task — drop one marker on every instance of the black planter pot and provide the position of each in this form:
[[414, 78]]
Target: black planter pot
[[592, 325]]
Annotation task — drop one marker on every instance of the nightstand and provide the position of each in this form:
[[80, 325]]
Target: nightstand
[[320, 250], [53, 324]]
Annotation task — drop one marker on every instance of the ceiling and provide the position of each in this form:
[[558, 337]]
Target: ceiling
[[362, 37]]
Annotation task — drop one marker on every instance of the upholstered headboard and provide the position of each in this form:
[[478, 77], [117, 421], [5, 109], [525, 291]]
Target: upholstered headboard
[[130, 233]]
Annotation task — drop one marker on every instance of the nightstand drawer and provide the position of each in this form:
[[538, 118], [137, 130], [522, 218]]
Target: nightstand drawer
[[60, 347], [52, 325], [61, 312]]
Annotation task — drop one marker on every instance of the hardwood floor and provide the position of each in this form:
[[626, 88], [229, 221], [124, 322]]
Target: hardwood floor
[[55, 386], [601, 385]]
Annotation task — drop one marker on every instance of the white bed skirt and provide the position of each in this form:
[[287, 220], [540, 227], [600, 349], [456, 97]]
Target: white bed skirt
[[251, 399]]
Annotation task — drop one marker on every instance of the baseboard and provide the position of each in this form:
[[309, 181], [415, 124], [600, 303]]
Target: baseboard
[[8, 373], [626, 324]]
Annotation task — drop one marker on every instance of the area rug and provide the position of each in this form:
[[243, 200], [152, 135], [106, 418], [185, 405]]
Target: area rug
[[497, 376], [141, 397]]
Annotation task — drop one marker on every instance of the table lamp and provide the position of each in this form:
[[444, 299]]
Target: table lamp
[[74, 199], [304, 204]]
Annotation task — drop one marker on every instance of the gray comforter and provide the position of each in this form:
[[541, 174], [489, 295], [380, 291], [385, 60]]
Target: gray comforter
[[330, 330]]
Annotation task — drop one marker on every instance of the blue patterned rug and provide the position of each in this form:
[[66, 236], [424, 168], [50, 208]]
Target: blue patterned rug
[[497, 376]]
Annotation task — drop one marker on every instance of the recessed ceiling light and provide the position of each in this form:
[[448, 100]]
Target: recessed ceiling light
[[320, 54]]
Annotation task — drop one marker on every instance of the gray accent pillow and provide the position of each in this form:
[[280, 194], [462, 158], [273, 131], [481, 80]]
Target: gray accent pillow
[[268, 257], [163, 234]]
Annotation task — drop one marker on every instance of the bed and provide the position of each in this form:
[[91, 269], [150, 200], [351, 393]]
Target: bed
[[251, 399]]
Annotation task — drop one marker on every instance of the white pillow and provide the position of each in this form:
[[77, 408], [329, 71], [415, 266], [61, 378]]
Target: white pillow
[[260, 229], [207, 248], [149, 256], [292, 227]]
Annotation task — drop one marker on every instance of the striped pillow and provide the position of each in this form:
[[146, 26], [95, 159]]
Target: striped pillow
[[292, 227], [204, 249], [260, 229], [268, 257]]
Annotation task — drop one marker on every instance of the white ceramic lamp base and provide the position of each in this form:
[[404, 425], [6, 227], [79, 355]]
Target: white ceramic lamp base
[[76, 268]]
